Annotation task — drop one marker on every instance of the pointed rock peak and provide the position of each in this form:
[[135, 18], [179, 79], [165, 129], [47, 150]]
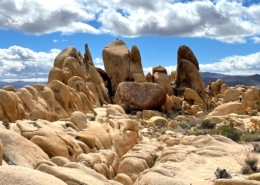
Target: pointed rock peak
[[184, 52], [135, 54], [87, 56]]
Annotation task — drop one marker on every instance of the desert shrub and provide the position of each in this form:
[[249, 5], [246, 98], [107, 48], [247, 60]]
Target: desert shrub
[[257, 102], [250, 137], [249, 164], [133, 117], [127, 108], [229, 131], [256, 147], [207, 124], [254, 114], [194, 122], [6, 123], [162, 130], [222, 174], [183, 124]]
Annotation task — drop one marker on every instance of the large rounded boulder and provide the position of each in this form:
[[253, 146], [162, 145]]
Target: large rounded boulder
[[140, 96]]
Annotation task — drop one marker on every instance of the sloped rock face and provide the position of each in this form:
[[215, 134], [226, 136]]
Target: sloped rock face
[[140, 96], [29, 154], [10, 175], [188, 75], [122, 65], [227, 108], [76, 173]]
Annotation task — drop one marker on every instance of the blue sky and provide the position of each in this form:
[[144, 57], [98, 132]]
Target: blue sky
[[223, 34]]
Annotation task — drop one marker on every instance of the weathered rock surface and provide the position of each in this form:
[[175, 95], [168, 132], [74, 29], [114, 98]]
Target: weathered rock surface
[[228, 108], [19, 150], [10, 175], [76, 173], [105, 162], [1, 152], [235, 182], [142, 96]]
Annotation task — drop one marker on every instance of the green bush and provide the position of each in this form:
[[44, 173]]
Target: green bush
[[229, 131], [207, 124], [183, 124], [250, 137]]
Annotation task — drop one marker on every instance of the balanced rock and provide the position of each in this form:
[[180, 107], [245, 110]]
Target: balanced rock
[[140, 96]]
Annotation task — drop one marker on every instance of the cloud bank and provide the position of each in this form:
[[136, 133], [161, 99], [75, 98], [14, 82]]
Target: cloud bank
[[229, 21]]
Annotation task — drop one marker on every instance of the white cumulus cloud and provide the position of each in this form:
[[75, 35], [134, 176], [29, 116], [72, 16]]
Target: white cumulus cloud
[[22, 63], [256, 39], [228, 21]]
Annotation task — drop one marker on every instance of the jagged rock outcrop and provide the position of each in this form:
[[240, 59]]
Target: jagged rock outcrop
[[74, 84], [70, 63], [122, 65], [140, 96]]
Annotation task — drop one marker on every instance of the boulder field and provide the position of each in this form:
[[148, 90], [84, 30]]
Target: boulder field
[[117, 125]]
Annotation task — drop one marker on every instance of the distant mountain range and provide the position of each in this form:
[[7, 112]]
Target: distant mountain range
[[230, 80], [252, 80], [19, 84]]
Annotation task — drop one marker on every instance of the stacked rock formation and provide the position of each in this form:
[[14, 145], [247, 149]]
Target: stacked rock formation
[[121, 65]]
